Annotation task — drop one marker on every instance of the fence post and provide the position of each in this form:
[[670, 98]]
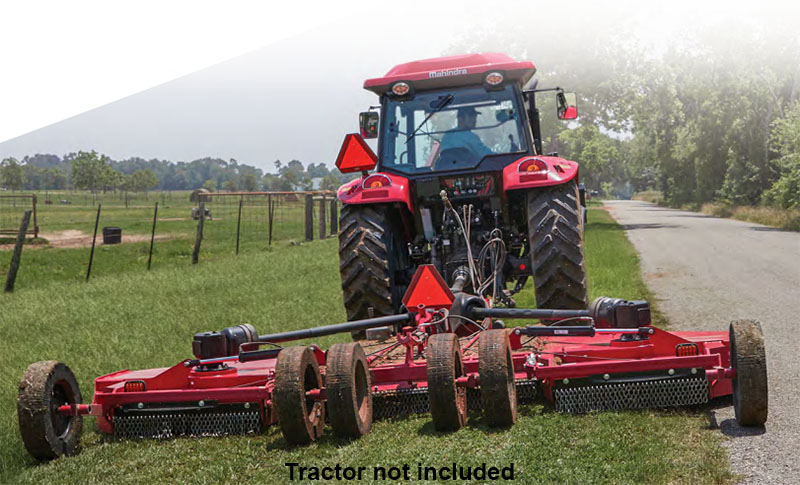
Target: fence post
[[11, 277], [152, 237], [238, 225], [199, 238], [309, 217], [94, 240], [35, 223], [334, 216], [271, 213], [322, 217]]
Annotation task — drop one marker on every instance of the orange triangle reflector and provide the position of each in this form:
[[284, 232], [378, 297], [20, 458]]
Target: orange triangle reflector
[[428, 290], [355, 155]]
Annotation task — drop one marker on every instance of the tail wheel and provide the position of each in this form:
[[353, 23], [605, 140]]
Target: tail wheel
[[448, 401], [370, 254], [749, 360], [496, 369], [555, 237], [300, 417], [45, 387], [347, 385]]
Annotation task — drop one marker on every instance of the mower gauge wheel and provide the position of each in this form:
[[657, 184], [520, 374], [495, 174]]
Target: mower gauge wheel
[[496, 369], [347, 386], [45, 387], [748, 358], [448, 401], [301, 418]]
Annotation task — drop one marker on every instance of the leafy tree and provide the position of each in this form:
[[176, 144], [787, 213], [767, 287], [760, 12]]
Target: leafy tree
[[229, 185], [249, 182], [12, 174], [142, 181], [210, 185], [89, 171]]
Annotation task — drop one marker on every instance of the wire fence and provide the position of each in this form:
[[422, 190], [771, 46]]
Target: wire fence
[[12, 207], [116, 235]]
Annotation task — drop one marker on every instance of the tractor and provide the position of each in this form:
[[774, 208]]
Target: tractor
[[462, 184]]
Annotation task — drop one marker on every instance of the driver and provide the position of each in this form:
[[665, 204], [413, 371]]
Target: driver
[[462, 136]]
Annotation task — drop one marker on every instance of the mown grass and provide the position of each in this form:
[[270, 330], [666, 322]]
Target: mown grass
[[140, 319]]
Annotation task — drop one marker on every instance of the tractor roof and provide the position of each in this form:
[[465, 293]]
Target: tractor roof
[[449, 71]]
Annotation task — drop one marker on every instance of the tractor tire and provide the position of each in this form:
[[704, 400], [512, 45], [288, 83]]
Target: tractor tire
[[347, 383], [749, 360], [301, 418], [555, 238], [370, 252], [46, 434], [448, 401], [496, 370]]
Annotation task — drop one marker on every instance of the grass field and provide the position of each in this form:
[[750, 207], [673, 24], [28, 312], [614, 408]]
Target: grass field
[[140, 319]]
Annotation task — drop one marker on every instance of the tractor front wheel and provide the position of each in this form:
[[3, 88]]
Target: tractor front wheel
[[45, 387], [496, 371], [555, 238], [347, 384], [749, 360], [448, 401], [301, 418]]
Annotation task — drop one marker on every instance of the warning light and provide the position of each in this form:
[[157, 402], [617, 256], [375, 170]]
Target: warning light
[[135, 386], [428, 290], [355, 155], [522, 267], [532, 165], [376, 181], [401, 88], [686, 350]]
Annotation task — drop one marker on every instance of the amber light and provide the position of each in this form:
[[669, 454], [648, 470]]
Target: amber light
[[532, 165], [494, 78], [401, 88], [686, 350], [135, 386], [376, 181]]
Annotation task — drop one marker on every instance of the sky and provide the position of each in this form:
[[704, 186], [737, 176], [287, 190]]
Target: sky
[[258, 81]]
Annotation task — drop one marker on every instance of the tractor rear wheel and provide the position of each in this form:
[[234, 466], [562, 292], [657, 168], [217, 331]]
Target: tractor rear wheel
[[347, 385], [371, 251], [496, 370], [448, 401], [300, 417], [45, 387], [749, 360], [555, 238]]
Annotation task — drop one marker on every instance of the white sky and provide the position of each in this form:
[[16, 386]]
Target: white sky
[[124, 47], [121, 48]]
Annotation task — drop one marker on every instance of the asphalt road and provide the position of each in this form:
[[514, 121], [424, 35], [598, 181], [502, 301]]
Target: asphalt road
[[705, 272]]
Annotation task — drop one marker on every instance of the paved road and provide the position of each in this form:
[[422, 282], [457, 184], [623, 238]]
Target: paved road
[[706, 271]]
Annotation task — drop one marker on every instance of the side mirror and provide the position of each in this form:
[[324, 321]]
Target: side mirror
[[567, 106], [368, 122]]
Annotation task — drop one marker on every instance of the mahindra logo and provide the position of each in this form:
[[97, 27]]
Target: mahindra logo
[[446, 72]]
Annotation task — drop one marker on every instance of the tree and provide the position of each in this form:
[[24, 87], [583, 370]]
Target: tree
[[142, 181], [249, 182], [90, 171], [229, 185], [210, 185], [12, 174], [330, 182]]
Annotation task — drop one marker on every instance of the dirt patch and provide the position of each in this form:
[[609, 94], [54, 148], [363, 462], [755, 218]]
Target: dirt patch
[[73, 238]]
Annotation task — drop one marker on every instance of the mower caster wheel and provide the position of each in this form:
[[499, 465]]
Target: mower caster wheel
[[448, 401], [749, 360], [347, 385], [496, 370], [45, 387], [301, 418]]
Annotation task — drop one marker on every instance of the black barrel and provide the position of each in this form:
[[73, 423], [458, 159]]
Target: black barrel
[[112, 235]]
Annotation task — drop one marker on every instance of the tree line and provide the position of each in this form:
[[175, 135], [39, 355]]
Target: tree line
[[712, 116], [97, 172]]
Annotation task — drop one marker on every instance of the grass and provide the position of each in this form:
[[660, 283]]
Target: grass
[[788, 219], [145, 319]]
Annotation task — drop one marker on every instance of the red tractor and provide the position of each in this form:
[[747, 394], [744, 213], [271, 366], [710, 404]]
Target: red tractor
[[462, 184]]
